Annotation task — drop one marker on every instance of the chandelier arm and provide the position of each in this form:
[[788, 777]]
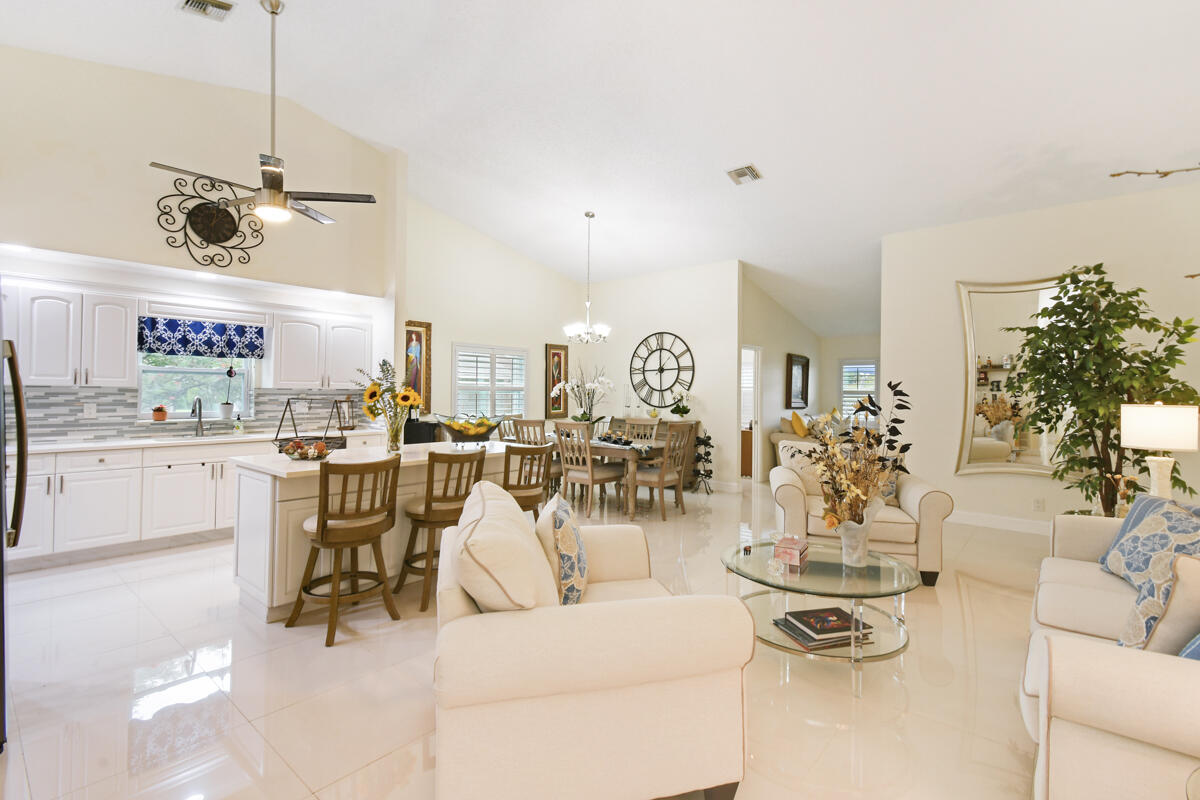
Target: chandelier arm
[[273, 16]]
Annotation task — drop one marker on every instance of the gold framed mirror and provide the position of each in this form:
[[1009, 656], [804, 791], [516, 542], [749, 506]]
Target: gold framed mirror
[[993, 438]]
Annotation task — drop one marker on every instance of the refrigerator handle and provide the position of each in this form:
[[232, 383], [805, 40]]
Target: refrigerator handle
[[12, 536]]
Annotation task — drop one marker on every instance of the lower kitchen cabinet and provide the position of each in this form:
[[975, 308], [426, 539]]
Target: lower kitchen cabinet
[[226, 495], [97, 508], [37, 529], [176, 499]]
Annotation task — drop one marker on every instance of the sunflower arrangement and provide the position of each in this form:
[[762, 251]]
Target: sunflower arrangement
[[855, 459], [382, 398]]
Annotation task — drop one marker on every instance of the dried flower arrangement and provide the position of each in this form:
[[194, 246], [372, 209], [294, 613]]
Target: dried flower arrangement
[[998, 410]]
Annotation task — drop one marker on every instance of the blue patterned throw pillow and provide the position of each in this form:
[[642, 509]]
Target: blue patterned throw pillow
[[1152, 535], [1191, 649], [572, 558]]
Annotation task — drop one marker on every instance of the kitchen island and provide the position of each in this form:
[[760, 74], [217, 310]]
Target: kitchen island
[[274, 497]]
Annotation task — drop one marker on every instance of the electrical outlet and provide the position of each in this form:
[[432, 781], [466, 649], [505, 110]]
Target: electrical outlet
[[89, 410], [1039, 504]]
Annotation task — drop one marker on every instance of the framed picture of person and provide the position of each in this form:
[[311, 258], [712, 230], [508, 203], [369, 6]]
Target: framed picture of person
[[414, 369], [796, 391], [556, 373]]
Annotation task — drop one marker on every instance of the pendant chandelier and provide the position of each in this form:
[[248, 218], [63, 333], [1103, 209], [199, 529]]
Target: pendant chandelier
[[585, 332]]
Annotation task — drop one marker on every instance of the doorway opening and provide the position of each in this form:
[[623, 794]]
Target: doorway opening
[[750, 412]]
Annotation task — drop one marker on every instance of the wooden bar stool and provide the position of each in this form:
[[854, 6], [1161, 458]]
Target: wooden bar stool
[[356, 515], [448, 480], [532, 474], [533, 431]]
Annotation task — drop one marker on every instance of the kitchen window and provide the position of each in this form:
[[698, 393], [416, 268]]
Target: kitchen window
[[176, 381], [489, 381]]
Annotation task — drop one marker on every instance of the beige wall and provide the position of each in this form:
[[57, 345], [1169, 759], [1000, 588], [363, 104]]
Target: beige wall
[[699, 304], [474, 290], [77, 138], [1149, 239], [768, 325], [835, 350]]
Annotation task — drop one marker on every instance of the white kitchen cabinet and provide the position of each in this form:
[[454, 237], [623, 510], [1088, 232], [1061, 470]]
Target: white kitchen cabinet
[[109, 341], [97, 508], [37, 528], [298, 360], [226, 512], [11, 304], [347, 350], [50, 338], [76, 339], [177, 499]]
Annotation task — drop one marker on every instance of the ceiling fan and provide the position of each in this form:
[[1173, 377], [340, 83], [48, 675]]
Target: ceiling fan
[[271, 202]]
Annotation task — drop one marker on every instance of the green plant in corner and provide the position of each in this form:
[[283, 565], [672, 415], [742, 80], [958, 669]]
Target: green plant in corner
[[1091, 349]]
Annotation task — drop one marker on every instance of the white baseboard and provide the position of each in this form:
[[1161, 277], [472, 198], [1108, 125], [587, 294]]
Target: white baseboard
[[1020, 524]]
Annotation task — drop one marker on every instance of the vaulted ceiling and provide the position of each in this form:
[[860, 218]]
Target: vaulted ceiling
[[865, 118]]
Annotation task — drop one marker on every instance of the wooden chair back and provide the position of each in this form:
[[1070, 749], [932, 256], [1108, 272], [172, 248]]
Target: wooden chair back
[[449, 478], [641, 430], [354, 496], [616, 425], [532, 466], [679, 439], [507, 424], [575, 446], [530, 431]]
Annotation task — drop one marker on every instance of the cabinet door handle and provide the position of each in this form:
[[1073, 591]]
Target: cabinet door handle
[[49, 485], [212, 469], [60, 484], [85, 376], [75, 377], [222, 470]]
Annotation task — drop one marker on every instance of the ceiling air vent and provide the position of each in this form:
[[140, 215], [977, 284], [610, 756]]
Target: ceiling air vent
[[211, 9], [744, 174]]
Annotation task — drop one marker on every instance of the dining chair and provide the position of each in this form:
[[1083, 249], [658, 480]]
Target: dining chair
[[351, 513], [667, 470], [527, 473], [449, 478], [641, 430], [579, 467], [533, 431], [616, 426], [507, 426]]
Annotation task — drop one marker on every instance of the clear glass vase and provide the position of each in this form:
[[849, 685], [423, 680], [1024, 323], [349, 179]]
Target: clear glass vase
[[395, 432], [855, 535]]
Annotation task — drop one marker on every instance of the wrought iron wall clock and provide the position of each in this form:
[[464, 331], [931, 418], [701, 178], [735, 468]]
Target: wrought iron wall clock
[[661, 364], [199, 217]]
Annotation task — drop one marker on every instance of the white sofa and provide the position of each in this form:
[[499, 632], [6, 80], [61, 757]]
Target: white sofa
[[1089, 702], [911, 531], [631, 693]]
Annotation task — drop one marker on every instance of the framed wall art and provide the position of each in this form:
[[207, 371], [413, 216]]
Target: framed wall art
[[418, 345], [796, 390], [556, 373]]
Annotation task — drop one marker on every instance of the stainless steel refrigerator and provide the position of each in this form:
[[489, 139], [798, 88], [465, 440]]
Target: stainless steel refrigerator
[[10, 381]]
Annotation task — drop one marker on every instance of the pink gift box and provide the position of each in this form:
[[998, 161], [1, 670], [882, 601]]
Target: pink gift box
[[792, 550]]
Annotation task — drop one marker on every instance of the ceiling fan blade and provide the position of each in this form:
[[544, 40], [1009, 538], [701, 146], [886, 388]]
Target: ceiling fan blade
[[241, 201], [272, 171], [168, 168], [333, 197], [309, 212]]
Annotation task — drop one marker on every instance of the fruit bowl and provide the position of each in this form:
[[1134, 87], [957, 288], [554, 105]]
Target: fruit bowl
[[469, 430], [298, 450]]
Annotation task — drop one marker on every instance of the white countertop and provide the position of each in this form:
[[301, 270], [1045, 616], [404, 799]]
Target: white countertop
[[66, 446], [411, 455]]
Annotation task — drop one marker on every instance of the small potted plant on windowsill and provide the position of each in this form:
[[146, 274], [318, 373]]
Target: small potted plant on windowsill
[[159, 413], [226, 409]]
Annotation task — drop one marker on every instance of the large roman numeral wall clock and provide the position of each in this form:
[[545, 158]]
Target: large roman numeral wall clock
[[661, 364]]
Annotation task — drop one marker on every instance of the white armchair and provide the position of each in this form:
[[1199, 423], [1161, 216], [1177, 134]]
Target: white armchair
[[911, 532], [1116, 722], [640, 698]]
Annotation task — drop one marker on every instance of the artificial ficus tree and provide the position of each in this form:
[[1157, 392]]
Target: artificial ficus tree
[[1091, 349]]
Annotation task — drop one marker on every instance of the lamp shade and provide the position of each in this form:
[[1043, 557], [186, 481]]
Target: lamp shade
[[1160, 427]]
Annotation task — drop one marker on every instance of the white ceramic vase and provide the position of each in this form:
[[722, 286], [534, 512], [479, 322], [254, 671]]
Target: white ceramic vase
[[855, 535]]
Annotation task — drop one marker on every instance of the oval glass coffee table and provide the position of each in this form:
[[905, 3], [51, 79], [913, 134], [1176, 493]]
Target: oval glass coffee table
[[824, 577]]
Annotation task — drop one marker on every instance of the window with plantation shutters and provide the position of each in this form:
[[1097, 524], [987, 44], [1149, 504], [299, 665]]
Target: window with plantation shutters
[[859, 379], [489, 381]]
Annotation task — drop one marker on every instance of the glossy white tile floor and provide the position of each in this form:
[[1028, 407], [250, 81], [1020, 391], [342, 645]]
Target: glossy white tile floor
[[140, 677]]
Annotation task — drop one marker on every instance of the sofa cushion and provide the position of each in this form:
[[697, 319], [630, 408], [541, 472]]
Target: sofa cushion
[[624, 590], [891, 524], [561, 542], [499, 561], [799, 425], [1191, 649], [1180, 620], [1154, 533], [1079, 596]]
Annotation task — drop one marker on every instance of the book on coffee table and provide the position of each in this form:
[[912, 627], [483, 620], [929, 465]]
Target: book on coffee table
[[824, 623], [810, 644]]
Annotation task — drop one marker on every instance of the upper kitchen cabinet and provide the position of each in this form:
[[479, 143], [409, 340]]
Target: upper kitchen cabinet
[[76, 339], [312, 353]]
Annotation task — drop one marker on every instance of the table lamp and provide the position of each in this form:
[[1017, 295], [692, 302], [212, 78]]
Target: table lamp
[[1160, 427]]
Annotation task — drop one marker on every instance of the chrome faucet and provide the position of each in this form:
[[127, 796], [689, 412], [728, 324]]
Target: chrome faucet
[[198, 413]]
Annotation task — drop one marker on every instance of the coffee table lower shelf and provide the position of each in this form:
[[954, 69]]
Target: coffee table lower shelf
[[888, 634]]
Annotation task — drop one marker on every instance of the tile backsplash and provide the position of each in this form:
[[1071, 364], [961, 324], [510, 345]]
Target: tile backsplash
[[55, 413]]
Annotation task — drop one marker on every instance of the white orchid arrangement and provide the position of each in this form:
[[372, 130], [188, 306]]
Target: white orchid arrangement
[[586, 392], [679, 402]]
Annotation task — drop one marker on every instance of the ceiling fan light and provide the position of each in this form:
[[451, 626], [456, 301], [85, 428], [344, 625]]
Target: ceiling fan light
[[272, 213]]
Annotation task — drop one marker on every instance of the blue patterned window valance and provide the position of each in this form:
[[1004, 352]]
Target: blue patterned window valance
[[189, 337]]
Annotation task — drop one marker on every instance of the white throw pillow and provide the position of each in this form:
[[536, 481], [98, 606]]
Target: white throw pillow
[[558, 532], [500, 563]]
